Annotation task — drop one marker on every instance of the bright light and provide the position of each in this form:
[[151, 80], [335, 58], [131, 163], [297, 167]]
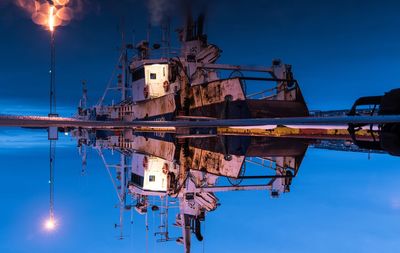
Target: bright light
[[51, 18], [50, 224]]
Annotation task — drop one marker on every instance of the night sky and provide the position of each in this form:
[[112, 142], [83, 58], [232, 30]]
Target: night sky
[[340, 202]]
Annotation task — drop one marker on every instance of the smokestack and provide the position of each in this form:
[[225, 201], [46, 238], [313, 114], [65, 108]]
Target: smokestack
[[200, 24]]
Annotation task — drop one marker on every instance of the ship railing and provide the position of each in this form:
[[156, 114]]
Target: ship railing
[[161, 53], [271, 92], [264, 94], [263, 162], [163, 228]]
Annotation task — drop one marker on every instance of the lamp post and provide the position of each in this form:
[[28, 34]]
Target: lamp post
[[52, 131]]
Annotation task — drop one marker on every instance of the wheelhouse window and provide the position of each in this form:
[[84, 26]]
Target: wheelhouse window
[[153, 76], [137, 180], [137, 74], [152, 178]]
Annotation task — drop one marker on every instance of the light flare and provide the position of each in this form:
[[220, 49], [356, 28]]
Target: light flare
[[52, 14], [50, 224]]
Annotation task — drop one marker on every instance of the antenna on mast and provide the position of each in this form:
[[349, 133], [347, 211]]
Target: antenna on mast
[[83, 102], [133, 38], [148, 31], [166, 36]]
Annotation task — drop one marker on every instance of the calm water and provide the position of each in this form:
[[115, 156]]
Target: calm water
[[338, 202]]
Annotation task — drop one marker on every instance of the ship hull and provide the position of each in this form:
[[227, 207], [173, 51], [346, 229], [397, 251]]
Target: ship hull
[[252, 108], [220, 99]]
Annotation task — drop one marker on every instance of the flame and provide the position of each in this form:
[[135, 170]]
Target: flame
[[51, 18]]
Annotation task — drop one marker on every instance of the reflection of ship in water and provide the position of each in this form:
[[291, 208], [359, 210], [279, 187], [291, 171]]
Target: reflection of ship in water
[[192, 171], [164, 171]]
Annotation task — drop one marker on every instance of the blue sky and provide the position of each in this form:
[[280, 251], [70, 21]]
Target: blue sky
[[340, 202]]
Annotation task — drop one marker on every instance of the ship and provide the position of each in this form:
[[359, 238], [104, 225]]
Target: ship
[[191, 85]]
